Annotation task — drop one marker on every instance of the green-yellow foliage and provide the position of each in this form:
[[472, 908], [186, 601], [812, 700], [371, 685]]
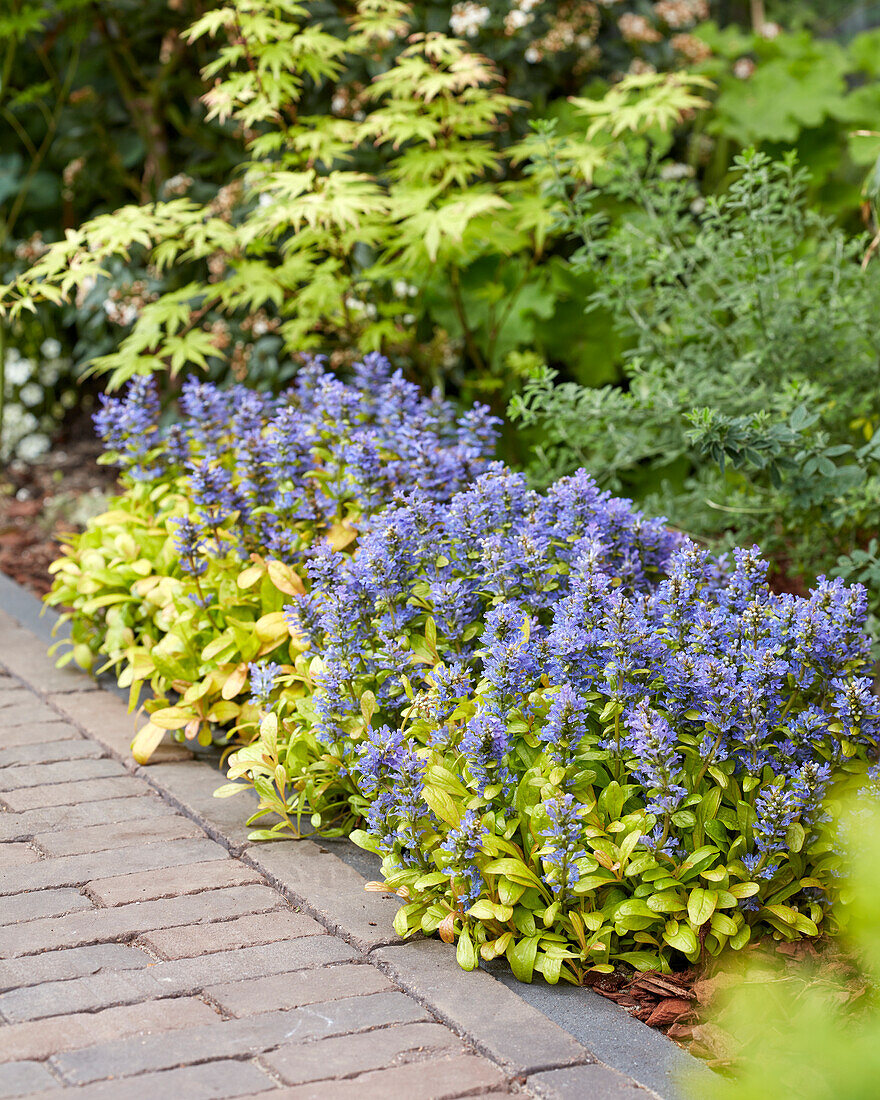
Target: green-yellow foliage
[[814, 1034], [131, 604], [312, 235]]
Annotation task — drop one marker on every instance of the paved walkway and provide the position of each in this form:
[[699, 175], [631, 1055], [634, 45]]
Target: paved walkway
[[147, 950], [142, 960]]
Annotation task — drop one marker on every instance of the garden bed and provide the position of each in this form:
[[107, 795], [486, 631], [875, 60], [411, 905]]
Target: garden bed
[[337, 896], [305, 654]]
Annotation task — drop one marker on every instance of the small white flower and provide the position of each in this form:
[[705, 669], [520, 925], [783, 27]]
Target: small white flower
[[515, 20], [532, 55], [120, 313], [17, 421], [467, 18], [403, 289], [18, 370], [31, 447], [49, 373], [178, 184], [743, 68], [50, 347], [675, 170], [30, 394]]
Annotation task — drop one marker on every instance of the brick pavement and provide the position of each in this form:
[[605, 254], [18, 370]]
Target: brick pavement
[[148, 951]]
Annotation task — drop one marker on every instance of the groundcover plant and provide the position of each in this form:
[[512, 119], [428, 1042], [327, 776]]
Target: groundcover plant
[[181, 583], [576, 738], [642, 780], [418, 589]]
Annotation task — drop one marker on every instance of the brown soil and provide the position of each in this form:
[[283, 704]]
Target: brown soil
[[42, 501], [691, 1006]]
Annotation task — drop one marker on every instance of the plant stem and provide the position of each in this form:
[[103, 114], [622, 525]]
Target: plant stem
[[42, 151], [156, 168], [702, 772], [497, 325], [458, 303], [2, 378]]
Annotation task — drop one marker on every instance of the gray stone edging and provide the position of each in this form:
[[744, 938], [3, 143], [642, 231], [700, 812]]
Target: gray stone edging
[[528, 1029]]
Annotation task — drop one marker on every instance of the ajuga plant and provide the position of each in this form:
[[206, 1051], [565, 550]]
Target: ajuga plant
[[752, 369], [577, 739], [419, 588], [369, 233], [181, 583], [642, 782]]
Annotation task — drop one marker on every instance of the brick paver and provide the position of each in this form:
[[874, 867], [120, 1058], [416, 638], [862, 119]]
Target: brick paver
[[37, 733], [140, 959], [117, 834], [175, 882], [42, 903], [63, 820]]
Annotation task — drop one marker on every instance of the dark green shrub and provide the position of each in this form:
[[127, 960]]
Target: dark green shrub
[[753, 362]]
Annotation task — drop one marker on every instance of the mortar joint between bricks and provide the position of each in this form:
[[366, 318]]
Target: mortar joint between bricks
[[586, 1061], [385, 943], [49, 1063], [207, 999], [271, 1073], [237, 851], [107, 753]]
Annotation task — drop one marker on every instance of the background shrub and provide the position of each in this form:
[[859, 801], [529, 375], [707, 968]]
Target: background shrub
[[36, 392], [122, 89], [412, 228], [749, 409]]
